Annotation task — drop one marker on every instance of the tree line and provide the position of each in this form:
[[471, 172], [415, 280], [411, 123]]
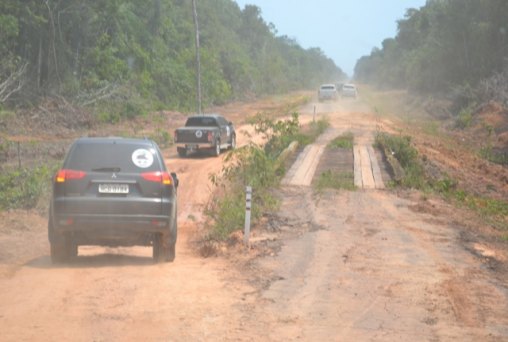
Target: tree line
[[140, 53], [457, 47]]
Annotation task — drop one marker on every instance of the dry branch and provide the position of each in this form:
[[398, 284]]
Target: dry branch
[[13, 83], [107, 91]]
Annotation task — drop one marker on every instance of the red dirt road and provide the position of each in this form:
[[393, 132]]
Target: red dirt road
[[345, 266]]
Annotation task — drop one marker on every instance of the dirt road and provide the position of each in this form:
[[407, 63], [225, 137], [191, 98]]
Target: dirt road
[[342, 266]]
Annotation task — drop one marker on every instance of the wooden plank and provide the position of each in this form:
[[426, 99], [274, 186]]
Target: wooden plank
[[357, 166], [367, 177], [376, 170], [306, 165]]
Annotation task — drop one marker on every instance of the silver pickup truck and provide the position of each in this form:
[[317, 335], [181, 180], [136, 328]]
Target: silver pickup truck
[[209, 132]]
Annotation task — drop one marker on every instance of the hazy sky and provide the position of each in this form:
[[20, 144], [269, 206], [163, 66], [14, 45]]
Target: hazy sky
[[344, 29]]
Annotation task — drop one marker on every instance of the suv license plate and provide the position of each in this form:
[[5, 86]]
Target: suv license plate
[[114, 188]]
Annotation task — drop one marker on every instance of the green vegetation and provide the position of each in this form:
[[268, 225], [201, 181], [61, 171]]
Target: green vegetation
[[335, 180], [442, 45], [22, 189], [489, 154], [493, 210], [134, 56], [464, 118], [400, 148], [309, 133], [247, 166], [454, 48], [258, 167], [345, 140]]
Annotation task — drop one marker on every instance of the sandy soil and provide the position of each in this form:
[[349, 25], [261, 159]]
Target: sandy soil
[[343, 266]]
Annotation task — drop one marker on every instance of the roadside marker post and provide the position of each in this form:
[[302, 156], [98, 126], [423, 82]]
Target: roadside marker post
[[248, 205], [314, 116]]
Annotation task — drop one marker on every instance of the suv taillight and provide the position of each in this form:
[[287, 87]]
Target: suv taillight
[[64, 175], [157, 176]]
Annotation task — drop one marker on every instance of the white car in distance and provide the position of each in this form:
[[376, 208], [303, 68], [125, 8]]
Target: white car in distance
[[349, 90], [327, 92]]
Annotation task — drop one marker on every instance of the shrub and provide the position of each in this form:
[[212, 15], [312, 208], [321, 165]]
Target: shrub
[[247, 166], [465, 118], [257, 167], [21, 189], [346, 140]]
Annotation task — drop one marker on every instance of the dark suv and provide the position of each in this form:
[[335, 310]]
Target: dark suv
[[113, 192]]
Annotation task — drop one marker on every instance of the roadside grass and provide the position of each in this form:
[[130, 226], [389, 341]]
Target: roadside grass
[[308, 134], [494, 211], [345, 140], [402, 155], [258, 167], [332, 179], [23, 188], [335, 180], [489, 154], [396, 105]]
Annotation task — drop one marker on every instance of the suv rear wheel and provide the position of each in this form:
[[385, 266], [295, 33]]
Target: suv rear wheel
[[61, 247], [163, 248]]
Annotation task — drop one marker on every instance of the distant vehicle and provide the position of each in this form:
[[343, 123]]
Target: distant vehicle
[[113, 192], [349, 90], [327, 92], [210, 132]]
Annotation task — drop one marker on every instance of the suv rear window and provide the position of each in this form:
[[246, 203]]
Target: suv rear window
[[131, 158], [328, 87]]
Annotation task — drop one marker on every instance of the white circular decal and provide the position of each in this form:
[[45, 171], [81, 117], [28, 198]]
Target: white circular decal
[[199, 134], [142, 158]]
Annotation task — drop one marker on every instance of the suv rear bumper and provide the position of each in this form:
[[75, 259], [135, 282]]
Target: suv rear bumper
[[111, 230]]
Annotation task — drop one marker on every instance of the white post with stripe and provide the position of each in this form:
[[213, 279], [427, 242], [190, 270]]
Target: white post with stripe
[[248, 205]]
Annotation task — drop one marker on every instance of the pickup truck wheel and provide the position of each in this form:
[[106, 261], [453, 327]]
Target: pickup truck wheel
[[170, 257], [233, 142], [182, 152], [216, 150]]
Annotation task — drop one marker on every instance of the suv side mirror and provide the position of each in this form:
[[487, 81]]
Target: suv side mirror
[[175, 179]]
